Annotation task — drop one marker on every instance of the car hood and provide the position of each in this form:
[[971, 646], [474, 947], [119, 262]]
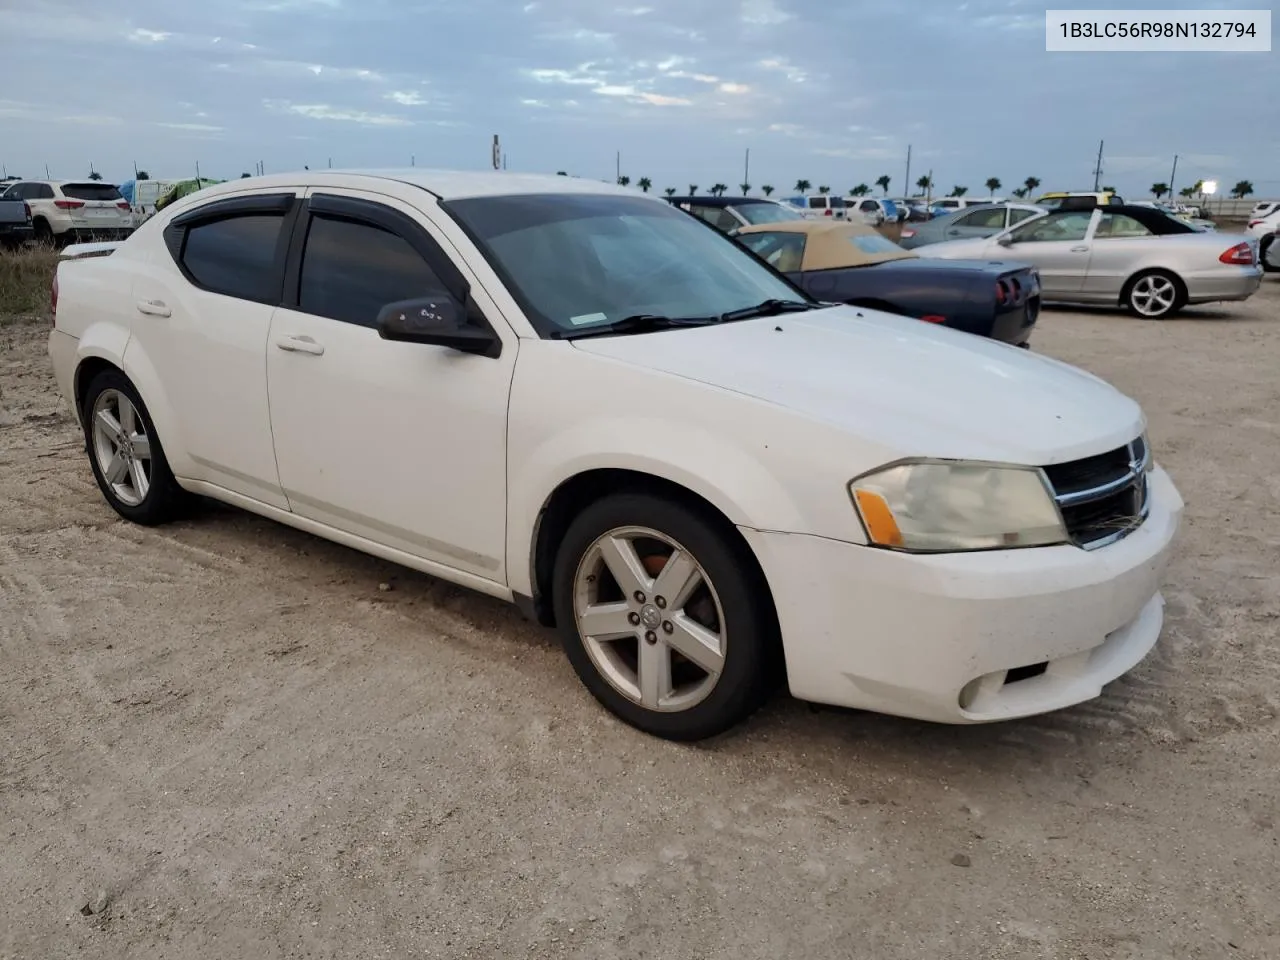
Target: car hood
[[911, 387]]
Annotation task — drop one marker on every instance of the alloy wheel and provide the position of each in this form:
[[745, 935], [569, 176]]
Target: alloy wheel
[[650, 619], [121, 447], [1153, 295]]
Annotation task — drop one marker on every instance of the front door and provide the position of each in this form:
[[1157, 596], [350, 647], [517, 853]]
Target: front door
[[1057, 245], [402, 444]]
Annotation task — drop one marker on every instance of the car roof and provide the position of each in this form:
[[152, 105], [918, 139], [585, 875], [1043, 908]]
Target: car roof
[[444, 184]]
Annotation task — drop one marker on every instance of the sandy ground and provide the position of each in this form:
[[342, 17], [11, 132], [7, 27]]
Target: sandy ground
[[221, 739]]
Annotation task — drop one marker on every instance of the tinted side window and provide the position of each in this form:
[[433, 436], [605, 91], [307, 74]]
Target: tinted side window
[[988, 218], [1017, 216], [235, 256], [351, 270], [42, 191]]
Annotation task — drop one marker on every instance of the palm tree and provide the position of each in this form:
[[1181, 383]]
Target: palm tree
[[767, 190], [1242, 189], [142, 175], [1187, 192], [745, 188], [693, 189], [883, 182], [802, 186], [861, 190], [1158, 190], [719, 189], [1031, 183], [670, 191], [959, 191], [824, 190], [243, 176], [993, 184], [1021, 192], [624, 180], [924, 183], [561, 173], [95, 175], [644, 183]]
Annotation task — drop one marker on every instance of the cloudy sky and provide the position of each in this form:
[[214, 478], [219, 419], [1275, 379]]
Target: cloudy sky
[[832, 91]]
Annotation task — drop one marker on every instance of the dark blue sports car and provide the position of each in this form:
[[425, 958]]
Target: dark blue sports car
[[845, 262]]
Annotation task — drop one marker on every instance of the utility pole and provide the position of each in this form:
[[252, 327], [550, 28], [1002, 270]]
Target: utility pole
[[497, 153], [617, 167], [746, 168], [413, 160], [331, 163], [928, 195], [907, 183], [46, 172], [1172, 176], [1097, 170], [197, 173]]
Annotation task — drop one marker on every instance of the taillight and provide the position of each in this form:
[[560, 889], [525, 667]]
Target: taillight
[[1239, 255], [53, 299], [1002, 293], [26, 209], [68, 204], [1015, 288], [827, 212], [933, 318], [123, 205], [1254, 223]]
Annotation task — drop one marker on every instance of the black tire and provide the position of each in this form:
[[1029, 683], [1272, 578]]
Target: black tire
[[752, 665], [1179, 300], [43, 233], [164, 499]]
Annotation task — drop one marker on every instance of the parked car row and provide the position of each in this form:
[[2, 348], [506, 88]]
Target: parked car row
[[761, 487]]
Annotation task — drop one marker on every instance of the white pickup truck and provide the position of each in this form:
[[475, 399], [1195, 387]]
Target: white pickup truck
[[583, 400]]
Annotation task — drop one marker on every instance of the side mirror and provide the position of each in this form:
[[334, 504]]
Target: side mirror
[[437, 320], [1005, 240]]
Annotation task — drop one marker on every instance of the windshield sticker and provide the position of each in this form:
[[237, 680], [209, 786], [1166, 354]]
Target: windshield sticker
[[586, 318]]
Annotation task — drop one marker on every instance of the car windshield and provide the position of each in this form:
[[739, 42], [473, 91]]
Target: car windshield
[[755, 213], [575, 262]]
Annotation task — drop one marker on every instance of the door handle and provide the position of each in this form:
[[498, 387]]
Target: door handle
[[300, 344], [1079, 249], [154, 308], [953, 233]]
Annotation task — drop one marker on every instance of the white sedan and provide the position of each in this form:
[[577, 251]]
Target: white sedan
[[584, 401]]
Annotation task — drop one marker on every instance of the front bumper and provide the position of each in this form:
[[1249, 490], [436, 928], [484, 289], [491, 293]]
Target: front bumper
[[934, 637]]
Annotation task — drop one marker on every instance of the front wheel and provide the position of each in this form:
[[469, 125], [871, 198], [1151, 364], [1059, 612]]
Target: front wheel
[[1154, 295], [125, 453], [666, 621]]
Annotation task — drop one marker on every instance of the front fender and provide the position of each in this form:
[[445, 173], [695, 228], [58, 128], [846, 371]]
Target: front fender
[[726, 474]]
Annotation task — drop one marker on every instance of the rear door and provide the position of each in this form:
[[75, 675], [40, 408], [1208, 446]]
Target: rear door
[[202, 319]]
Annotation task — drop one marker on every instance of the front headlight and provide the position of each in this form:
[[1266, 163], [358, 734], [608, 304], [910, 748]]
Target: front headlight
[[931, 506]]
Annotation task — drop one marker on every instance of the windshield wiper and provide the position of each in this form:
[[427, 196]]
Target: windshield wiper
[[768, 308], [636, 323]]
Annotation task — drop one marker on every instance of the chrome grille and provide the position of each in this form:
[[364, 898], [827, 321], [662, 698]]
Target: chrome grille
[[1102, 498]]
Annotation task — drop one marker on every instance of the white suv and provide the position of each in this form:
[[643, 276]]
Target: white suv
[[1266, 228], [67, 210]]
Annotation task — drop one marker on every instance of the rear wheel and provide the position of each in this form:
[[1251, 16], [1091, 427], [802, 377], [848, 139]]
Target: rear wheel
[[43, 232], [664, 620], [125, 453], [1154, 295]]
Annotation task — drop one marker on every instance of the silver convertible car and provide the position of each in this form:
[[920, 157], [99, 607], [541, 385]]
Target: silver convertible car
[[1130, 256]]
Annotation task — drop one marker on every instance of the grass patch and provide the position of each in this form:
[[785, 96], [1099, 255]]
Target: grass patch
[[25, 278]]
